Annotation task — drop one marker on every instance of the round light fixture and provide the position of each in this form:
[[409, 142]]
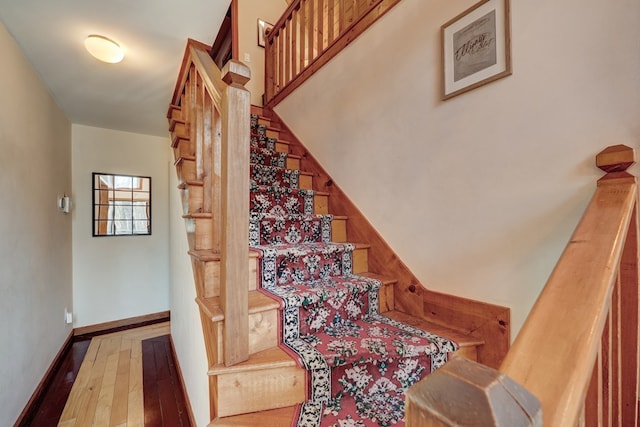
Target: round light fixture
[[104, 49]]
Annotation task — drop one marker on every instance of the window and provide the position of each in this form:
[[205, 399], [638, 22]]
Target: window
[[121, 205]]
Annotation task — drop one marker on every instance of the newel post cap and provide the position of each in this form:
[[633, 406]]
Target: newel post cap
[[235, 73], [466, 393], [616, 158]]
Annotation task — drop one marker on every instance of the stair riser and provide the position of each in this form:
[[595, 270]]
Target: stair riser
[[282, 148], [176, 140], [321, 204], [180, 128], [306, 182], [293, 163], [196, 198], [360, 260], [263, 334], [183, 148], [339, 230], [385, 298], [211, 277], [175, 113], [203, 233], [245, 392], [186, 169]]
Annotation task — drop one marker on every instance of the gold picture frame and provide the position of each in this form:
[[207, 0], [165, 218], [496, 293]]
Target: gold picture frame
[[476, 47]]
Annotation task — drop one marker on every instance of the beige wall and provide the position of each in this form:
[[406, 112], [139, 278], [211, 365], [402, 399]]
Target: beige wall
[[479, 194], [186, 329], [35, 244], [248, 13], [124, 276]]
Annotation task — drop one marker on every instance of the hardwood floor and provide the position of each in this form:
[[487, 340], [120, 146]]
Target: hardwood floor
[[125, 378]]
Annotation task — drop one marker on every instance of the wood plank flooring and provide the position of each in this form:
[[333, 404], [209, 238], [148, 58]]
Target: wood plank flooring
[[126, 378]]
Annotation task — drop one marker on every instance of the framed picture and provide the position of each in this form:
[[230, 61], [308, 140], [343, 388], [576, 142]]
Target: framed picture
[[263, 28], [476, 47]]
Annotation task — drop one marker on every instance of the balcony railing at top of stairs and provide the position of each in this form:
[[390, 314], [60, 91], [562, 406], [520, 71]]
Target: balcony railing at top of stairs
[[575, 362], [308, 35], [215, 108]]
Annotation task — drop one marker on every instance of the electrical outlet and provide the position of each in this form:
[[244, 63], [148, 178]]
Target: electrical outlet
[[68, 317], [247, 57]]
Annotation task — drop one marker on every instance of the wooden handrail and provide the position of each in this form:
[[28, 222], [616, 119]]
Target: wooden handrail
[[586, 316], [308, 35], [216, 107]]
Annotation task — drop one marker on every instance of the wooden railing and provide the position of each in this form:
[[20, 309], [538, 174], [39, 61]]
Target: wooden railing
[[575, 361], [308, 35], [215, 108]]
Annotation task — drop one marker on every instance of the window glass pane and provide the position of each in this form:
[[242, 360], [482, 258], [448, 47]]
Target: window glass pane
[[140, 210], [141, 227], [123, 182], [122, 210]]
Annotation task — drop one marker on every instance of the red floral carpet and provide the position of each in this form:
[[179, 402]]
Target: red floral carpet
[[359, 362]]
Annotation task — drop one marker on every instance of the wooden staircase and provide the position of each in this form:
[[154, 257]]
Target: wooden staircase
[[264, 387], [270, 379]]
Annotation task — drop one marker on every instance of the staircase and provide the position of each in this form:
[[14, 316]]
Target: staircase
[[288, 222], [300, 329]]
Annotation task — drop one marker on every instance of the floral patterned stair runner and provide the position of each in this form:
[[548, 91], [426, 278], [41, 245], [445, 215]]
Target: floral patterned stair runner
[[359, 362]]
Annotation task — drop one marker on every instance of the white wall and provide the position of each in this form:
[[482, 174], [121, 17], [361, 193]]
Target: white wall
[[118, 277], [35, 243], [478, 194], [248, 13], [186, 329]]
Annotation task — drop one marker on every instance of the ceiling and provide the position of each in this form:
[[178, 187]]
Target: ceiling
[[133, 95]]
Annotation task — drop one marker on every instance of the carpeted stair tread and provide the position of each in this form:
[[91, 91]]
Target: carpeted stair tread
[[262, 142], [384, 409], [295, 264], [274, 176], [371, 339], [271, 229], [268, 157], [280, 200], [330, 288]]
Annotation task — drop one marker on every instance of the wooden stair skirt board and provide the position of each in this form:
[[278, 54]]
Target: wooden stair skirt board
[[265, 389]]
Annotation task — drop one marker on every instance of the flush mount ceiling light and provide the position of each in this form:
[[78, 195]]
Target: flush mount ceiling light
[[104, 49]]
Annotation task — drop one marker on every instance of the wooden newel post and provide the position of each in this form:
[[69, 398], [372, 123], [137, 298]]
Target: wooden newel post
[[234, 266], [466, 393]]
